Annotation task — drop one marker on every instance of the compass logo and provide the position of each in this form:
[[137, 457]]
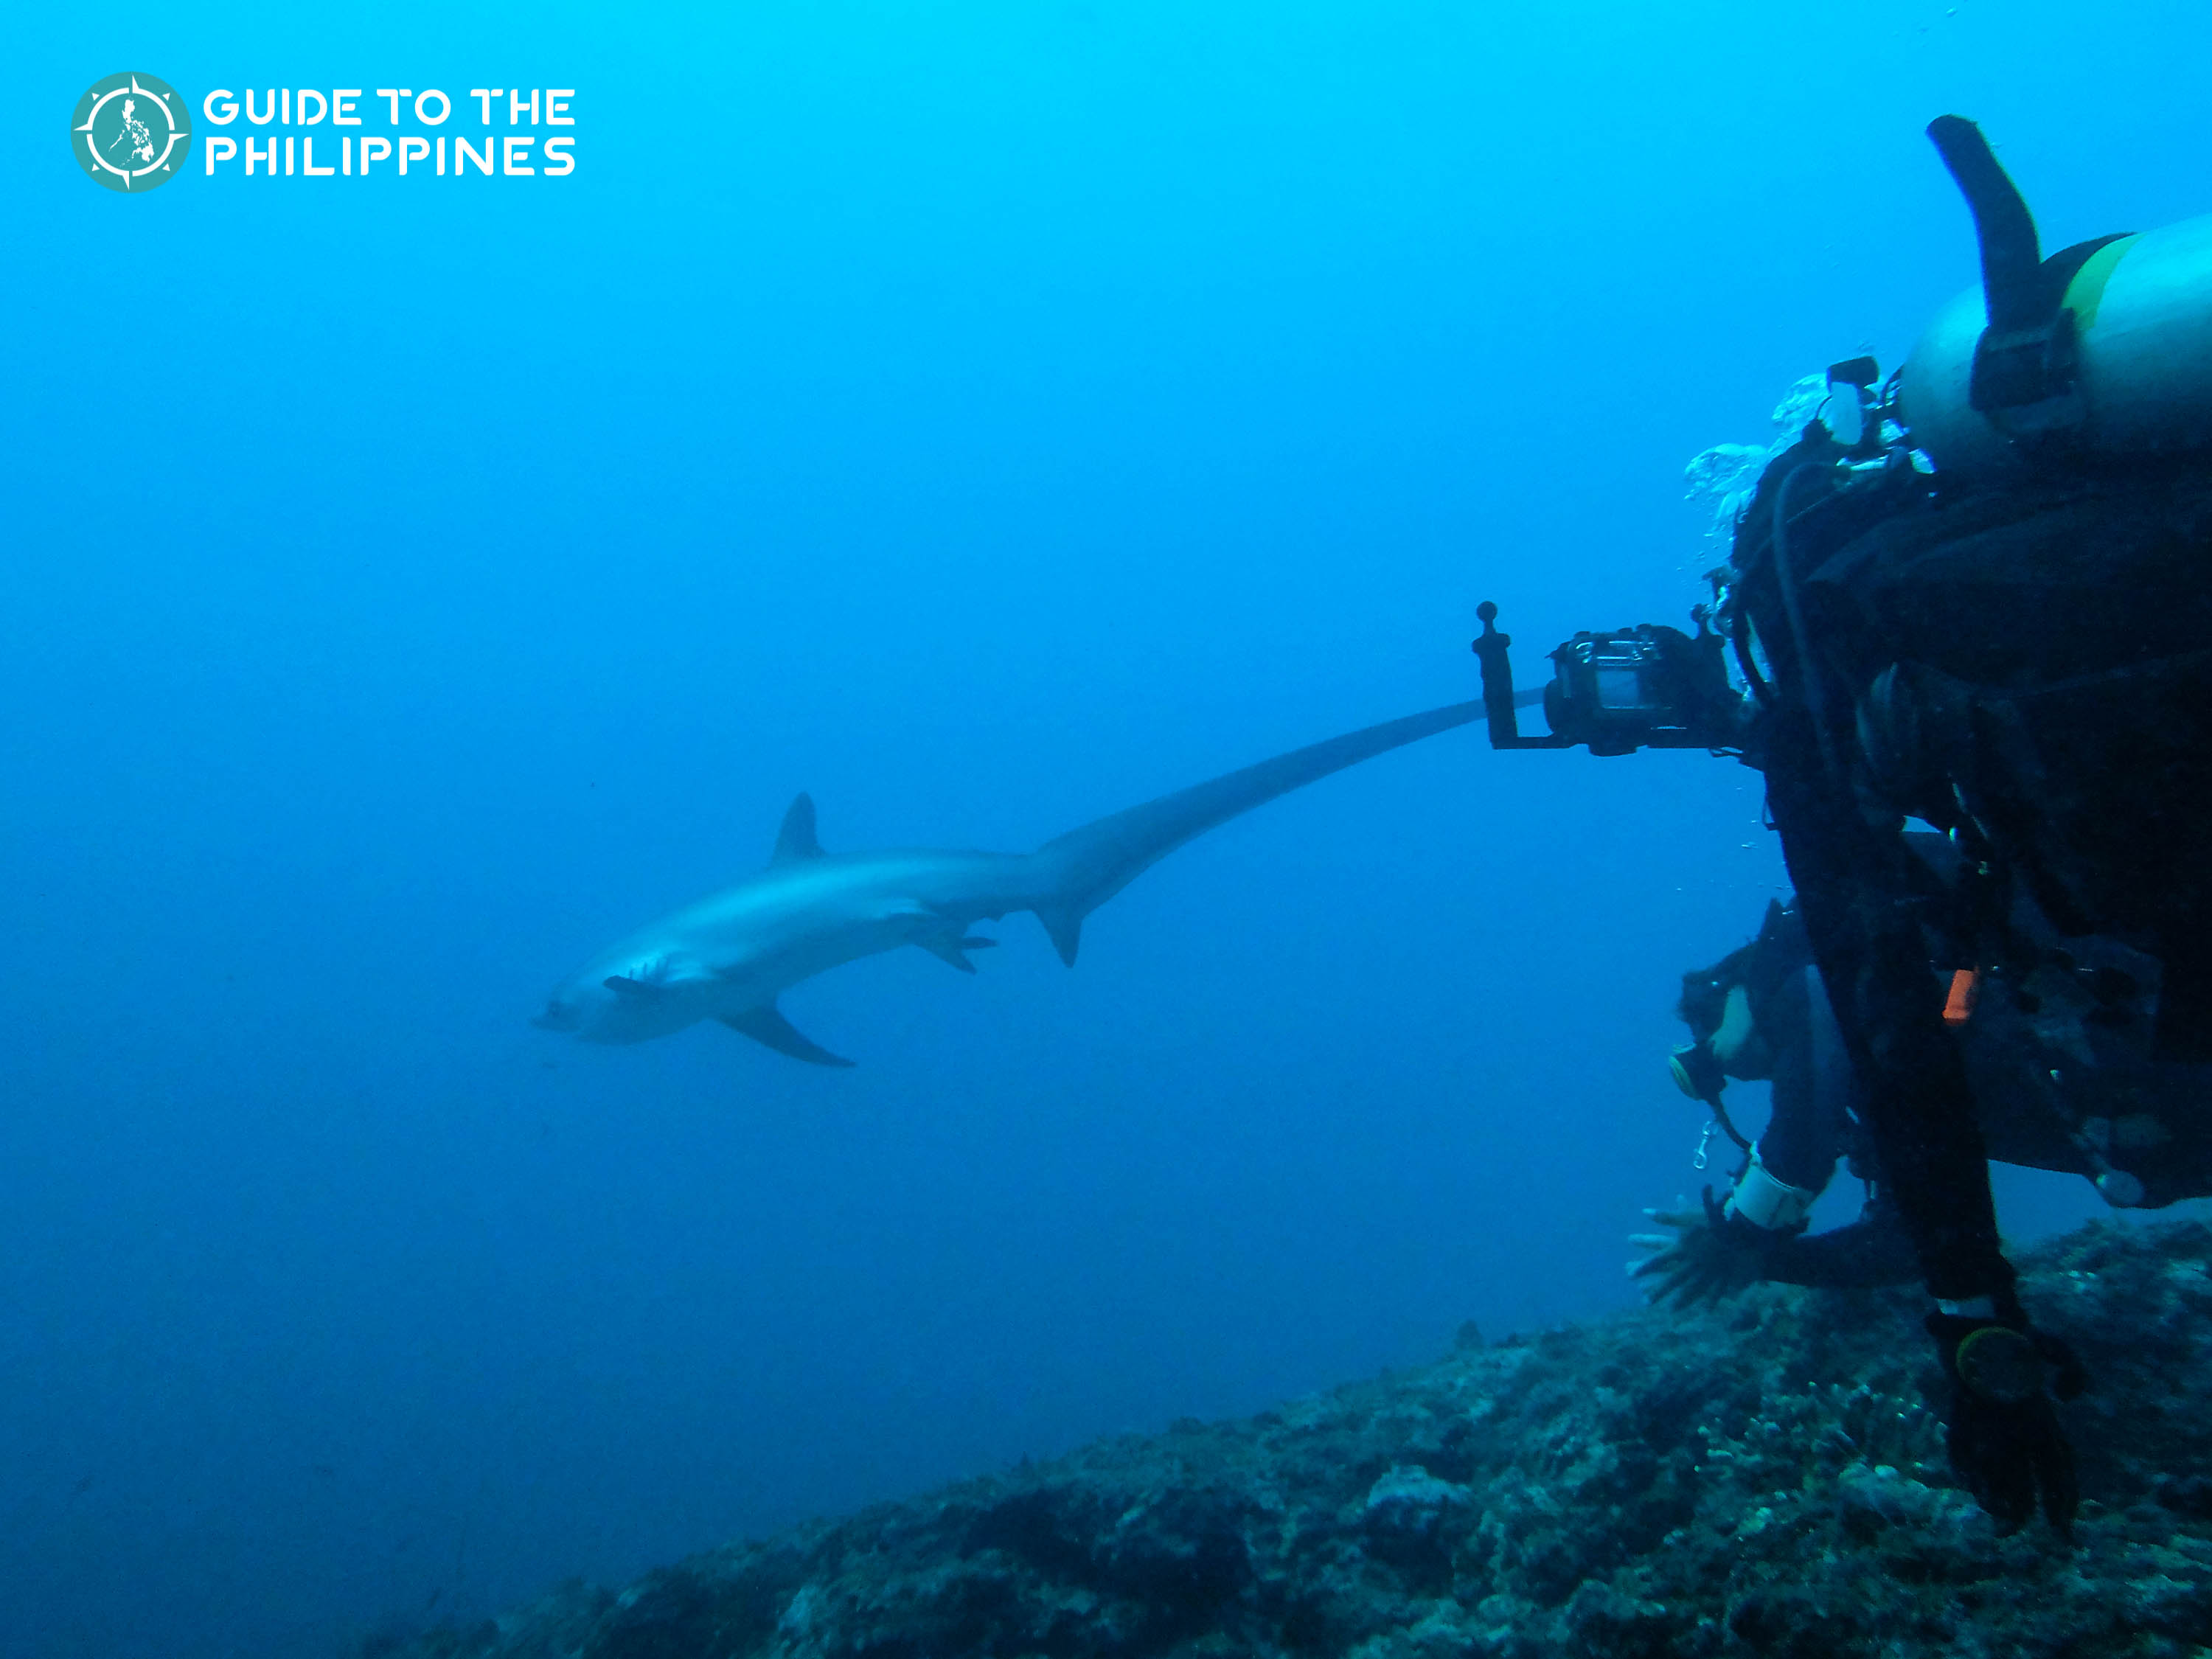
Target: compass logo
[[131, 132]]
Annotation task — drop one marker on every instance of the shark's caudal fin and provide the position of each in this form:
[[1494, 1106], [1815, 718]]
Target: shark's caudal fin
[[1084, 868]]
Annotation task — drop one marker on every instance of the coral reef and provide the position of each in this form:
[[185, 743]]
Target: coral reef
[[1766, 1478]]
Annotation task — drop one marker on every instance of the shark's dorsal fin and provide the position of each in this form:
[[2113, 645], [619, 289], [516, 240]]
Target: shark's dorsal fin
[[767, 1024], [796, 840]]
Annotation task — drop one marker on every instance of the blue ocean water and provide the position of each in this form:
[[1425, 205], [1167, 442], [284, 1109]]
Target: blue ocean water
[[983, 417]]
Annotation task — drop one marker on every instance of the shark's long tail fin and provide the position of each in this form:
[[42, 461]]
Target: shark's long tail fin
[[1084, 868]]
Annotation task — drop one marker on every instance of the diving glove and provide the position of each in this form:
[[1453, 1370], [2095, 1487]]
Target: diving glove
[[2004, 1438], [1708, 1255]]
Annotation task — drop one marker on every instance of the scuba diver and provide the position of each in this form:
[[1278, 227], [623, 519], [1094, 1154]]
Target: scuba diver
[[2058, 1068], [1761, 1014], [1975, 594]]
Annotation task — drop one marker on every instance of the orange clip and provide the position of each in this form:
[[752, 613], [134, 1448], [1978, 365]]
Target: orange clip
[[1958, 1007]]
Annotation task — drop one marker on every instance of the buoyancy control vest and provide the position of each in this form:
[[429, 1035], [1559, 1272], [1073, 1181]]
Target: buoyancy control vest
[[2036, 665]]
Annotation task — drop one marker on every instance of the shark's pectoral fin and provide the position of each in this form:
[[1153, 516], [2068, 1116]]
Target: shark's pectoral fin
[[951, 946], [767, 1024], [1064, 928], [656, 975]]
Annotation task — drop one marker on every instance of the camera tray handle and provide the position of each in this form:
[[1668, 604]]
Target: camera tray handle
[[1498, 702]]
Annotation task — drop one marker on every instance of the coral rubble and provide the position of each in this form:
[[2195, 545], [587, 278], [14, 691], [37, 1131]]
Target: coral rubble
[[1764, 1478]]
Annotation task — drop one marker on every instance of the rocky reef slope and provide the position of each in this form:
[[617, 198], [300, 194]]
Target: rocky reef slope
[[1766, 1478]]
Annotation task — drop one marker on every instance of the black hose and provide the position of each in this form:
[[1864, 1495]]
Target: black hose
[[1785, 579]]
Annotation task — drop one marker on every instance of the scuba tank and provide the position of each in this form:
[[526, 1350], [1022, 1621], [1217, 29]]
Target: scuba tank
[[2101, 352]]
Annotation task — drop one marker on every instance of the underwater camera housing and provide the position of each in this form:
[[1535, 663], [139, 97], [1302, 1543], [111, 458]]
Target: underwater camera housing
[[1645, 687]]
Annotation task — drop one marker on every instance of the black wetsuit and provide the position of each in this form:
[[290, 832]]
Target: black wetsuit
[[2029, 669]]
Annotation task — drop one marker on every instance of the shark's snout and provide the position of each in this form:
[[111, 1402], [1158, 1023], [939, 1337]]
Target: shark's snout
[[588, 1007], [558, 1016]]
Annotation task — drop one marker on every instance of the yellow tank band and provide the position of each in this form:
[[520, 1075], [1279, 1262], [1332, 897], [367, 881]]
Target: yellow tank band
[[2087, 291]]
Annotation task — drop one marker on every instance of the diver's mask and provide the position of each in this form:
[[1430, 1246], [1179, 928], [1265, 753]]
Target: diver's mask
[[1696, 1071], [1732, 1047]]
